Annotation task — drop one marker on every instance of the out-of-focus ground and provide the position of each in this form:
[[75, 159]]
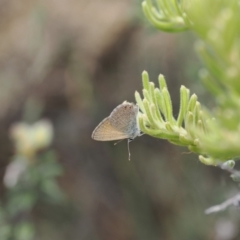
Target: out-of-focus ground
[[78, 60]]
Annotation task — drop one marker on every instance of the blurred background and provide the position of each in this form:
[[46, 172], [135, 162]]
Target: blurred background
[[66, 65]]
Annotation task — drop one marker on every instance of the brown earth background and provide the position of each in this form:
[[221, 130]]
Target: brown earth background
[[80, 59]]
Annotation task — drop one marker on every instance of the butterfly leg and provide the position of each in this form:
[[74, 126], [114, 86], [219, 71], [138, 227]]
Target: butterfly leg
[[118, 142], [129, 154]]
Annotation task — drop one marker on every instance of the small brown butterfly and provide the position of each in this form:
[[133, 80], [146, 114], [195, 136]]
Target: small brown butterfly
[[121, 124]]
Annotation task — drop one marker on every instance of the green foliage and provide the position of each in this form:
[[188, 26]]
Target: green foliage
[[29, 178], [212, 133], [170, 17], [24, 231], [157, 117]]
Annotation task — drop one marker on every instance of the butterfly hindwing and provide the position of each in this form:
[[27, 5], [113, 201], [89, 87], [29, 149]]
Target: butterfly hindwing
[[124, 119]]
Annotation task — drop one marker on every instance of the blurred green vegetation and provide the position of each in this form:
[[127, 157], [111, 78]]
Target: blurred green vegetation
[[72, 62], [29, 179], [214, 133]]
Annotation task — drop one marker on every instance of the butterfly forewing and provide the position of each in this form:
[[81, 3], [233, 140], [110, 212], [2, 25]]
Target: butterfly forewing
[[106, 132]]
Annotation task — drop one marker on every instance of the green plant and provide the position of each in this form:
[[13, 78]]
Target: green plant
[[213, 134], [30, 177]]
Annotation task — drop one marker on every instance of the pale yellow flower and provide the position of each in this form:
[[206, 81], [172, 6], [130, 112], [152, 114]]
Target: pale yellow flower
[[29, 139]]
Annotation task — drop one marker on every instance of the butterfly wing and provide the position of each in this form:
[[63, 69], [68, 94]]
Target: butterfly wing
[[124, 119], [106, 132]]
